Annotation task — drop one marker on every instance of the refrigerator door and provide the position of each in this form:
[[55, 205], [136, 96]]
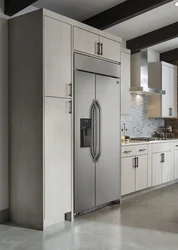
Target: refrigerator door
[[108, 165], [84, 165]]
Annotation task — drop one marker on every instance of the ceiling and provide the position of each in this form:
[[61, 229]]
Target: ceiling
[[147, 22], [77, 9], [166, 46]]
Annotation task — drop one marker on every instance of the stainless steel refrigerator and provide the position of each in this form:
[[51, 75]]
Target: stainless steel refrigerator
[[97, 132]]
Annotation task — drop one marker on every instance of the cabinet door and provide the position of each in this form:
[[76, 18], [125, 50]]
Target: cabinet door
[[176, 164], [125, 84], [173, 92], [166, 167], [156, 169], [127, 175], [165, 86], [58, 58], [85, 41], [57, 159], [142, 172], [110, 49]]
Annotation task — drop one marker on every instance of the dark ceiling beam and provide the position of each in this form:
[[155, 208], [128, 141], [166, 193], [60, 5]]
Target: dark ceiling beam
[[123, 12], [14, 6], [152, 38], [169, 56]]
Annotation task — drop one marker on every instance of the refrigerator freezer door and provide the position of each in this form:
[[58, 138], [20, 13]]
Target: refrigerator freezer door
[[108, 166], [84, 166]]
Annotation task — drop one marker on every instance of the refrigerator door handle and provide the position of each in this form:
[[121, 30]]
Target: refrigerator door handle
[[93, 130], [98, 131]]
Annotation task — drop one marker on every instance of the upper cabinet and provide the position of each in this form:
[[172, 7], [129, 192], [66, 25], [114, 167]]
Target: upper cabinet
[[94, 44], [57, 58], [163, 76], [86, 42], [125, 82]]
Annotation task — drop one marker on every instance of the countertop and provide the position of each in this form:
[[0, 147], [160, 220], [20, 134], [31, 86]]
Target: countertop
[[147, 142]]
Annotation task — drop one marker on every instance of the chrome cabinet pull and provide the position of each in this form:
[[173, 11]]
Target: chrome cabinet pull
[[142, 150], [137, 162], [101, 49], [98, 49], [170, 111], [162, 158], [70, 107], [69, 89], [176, 145], [127, 152]]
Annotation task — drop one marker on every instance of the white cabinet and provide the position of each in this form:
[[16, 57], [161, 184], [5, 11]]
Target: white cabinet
[[173, 91], [86, 41], [166, 167], [141, 173], [41, 68], [127, 175], [58, 58], [176, 164], [134, 169], [57, 159], [125, 82], [110, 49], [156, 169], [161, 163], [166, 87], [175, 160], [163, 76], [94, 44]]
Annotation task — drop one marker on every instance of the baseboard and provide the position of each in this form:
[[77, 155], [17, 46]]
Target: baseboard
[[132, 195], [4, 215]]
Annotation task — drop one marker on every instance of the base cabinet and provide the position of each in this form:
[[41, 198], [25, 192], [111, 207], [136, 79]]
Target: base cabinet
[[166, 167], [176, 164], [161, 168], [134, 174], [128, 175], [141, 173], [156, 169]]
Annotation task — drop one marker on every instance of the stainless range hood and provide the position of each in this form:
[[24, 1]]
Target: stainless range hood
[[139, 75]]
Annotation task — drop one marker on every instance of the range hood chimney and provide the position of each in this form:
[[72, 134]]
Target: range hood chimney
[[139, 75]]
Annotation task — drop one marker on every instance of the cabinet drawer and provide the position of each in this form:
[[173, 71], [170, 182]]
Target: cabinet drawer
[[134, 150], [161, 147], [176, 145]]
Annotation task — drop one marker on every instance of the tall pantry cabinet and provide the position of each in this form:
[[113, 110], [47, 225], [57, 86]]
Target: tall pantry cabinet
[[41, 47], [40, 120]]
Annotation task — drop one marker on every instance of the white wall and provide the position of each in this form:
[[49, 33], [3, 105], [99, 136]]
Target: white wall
[[4, 204]]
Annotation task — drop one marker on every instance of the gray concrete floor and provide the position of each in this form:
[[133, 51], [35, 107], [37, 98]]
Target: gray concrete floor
[[148, 222]]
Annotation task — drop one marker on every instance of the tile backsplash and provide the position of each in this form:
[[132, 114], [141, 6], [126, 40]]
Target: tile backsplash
[[137, 123]]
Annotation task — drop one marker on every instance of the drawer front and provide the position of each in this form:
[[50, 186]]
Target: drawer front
[[134, 150], [161, 147], [141, 150], [128, 151], [176, 145]]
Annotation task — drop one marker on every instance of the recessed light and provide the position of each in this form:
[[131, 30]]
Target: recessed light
[[176, 4]]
